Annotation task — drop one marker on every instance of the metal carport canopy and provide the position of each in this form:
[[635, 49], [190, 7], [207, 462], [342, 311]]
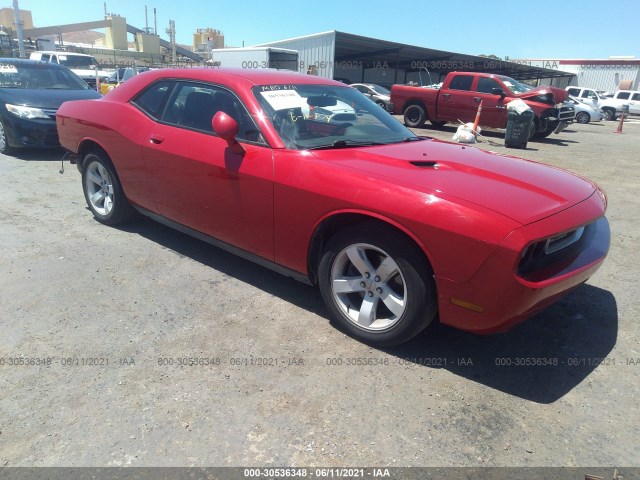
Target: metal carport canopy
[[399, 56]]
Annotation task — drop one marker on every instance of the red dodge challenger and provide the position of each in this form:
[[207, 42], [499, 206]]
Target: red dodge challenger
[[311, 178]]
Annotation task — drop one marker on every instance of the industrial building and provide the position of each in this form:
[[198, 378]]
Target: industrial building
[[607, 74], [7, 18], [354, 58], [207, 39]]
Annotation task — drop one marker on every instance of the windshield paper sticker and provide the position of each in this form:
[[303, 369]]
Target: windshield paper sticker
[[7, 68], [283, 99]]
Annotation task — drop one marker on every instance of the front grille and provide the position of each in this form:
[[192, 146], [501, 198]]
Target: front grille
[[566, 113], [52, 140]]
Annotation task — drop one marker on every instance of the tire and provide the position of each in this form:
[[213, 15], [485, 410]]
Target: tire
[[382, 105], [4, 142], [609, 114], [550, 128], [583, 117], [377, 311], [414, 116], [437, 124], [103, 191]]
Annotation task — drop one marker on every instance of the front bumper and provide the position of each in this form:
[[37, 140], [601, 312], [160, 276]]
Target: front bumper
[[22, 132], [497, 297]]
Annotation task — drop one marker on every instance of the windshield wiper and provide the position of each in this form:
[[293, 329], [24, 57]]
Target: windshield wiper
[[345, 144]]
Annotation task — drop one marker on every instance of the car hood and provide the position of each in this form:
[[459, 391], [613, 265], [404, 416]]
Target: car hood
[[522, 190], [559, 95], [45, 98]]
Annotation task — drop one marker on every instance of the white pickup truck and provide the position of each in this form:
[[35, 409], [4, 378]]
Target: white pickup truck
[[611, 106], [620, 98], [85, 66]]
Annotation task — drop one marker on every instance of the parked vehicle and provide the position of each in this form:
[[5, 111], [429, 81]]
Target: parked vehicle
[[85, 66], [252, 58], [377, 93], [461, 93], [588, 96], [394, 228], [612, 107], [120, 75], [585, 113], [30, 94]]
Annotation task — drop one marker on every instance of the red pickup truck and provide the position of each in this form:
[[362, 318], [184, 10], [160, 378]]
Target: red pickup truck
[[461, 92]]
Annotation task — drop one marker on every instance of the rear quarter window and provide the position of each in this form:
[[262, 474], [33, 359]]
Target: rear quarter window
[[153, 99], [461, 82]]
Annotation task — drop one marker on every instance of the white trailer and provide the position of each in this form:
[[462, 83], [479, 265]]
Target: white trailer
[[255, 57]]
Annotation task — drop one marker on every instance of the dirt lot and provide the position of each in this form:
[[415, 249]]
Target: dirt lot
[[103, 317]]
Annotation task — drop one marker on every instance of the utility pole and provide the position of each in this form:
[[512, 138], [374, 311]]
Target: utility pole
[[18, 22], [172, 39]]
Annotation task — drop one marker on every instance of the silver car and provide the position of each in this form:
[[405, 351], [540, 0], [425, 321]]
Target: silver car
[[585, 113], [377, 93]]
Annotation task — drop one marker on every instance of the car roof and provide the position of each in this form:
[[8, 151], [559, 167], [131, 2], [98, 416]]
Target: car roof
[[232, 77], [27, 61], [60, 52]]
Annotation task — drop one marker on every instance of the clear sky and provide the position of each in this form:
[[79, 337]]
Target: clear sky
[[526, 28]]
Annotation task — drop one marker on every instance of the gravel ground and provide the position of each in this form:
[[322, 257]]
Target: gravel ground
[[103, 318]]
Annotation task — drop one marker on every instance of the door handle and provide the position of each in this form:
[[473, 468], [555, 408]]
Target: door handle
[[476, 99], [446, 95], [157, 139]]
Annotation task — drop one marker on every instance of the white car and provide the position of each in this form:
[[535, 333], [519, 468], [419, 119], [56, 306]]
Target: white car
[[585, 113]]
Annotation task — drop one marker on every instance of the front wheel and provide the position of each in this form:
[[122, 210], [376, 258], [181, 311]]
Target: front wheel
[[609, 114], [414, 116], [551, 126], [583, 117], [4, 142], [377, 285], [103, 191]]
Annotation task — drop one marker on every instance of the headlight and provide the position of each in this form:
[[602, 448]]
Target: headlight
[[26, 112]]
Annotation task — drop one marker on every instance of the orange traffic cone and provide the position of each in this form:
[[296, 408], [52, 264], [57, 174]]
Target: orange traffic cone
[[477, 120], [619, 129]]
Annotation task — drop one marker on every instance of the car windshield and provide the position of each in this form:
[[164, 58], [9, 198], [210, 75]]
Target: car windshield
[[38, 76], [380, 89], [78, 61], [327, 116], [514, 86]]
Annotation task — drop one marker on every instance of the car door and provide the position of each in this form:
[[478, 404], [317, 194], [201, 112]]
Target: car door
[[198, 181], [589, 97], [494, 111], [458, 101]]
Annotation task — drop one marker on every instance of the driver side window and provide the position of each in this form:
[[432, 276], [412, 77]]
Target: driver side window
[[193, 105]]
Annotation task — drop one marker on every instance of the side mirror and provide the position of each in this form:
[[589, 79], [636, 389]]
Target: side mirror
[[227, 129], [498, 91]]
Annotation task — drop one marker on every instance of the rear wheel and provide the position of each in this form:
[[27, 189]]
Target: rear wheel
[[103, 191], [414, 116], [377, 285], [381, 104]]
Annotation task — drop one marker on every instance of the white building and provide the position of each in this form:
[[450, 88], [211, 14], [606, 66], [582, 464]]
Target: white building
[[605, 74]]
